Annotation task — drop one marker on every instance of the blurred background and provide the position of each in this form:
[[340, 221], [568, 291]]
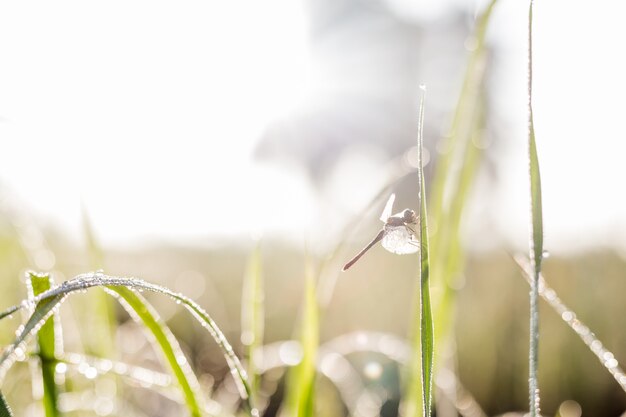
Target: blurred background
[[167, 140]]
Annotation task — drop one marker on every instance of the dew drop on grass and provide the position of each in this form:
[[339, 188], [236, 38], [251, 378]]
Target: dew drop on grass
[[19, 354], [91, 372], [60, 368]]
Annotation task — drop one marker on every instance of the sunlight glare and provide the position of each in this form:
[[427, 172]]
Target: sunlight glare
[[151, 125]]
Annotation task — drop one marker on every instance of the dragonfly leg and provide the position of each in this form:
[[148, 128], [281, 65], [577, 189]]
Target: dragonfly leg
[[411, 229]]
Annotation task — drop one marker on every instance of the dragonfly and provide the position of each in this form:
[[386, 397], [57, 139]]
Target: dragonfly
[[397, 234]]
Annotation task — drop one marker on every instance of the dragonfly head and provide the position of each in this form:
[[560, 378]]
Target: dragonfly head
[[409, 216]]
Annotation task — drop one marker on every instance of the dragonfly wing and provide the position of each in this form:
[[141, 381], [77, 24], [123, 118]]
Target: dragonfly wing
[[388, 208], [400, 240]]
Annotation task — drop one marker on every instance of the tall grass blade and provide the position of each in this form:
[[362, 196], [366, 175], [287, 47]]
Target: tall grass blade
[[253, 317], [97, 340], [5, 410], [421, 371], [50, 299], [168, 345], [426, 319], [536, 239], [302, 378], [606, 357], [49, 345]]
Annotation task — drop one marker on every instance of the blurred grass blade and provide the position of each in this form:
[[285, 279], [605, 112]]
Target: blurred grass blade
[[536, 238], [168, 345], [302, 377], [253, 317], [454, 176], [606, 357], [418, 400], [97, 340], [49, 345], [458, 133], [5, 410]]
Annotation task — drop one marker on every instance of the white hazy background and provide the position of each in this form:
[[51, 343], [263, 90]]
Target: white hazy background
[[147, 114]]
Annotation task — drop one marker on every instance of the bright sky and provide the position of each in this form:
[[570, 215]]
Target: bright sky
[[147, 112]]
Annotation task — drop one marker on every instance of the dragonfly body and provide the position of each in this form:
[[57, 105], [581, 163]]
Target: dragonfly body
[[397, 234]]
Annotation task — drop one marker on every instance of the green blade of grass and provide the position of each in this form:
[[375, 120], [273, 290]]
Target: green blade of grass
[[252, 316], [302, 377], [168, 345], [97, 340], [5, 410], [536, 232], [421, 363], [426, 319], [48, 345]]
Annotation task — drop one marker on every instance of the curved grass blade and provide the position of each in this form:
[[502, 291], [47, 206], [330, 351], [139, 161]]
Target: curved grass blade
[[302, 378], [49, 345], [421, 371], [5, 410], [606, 357], [51, 298], [44, 308], [167, 343], [536, 238]]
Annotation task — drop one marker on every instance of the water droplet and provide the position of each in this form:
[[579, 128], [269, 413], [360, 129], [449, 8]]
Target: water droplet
[[545, 254], [91, 373], [60, 368]]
